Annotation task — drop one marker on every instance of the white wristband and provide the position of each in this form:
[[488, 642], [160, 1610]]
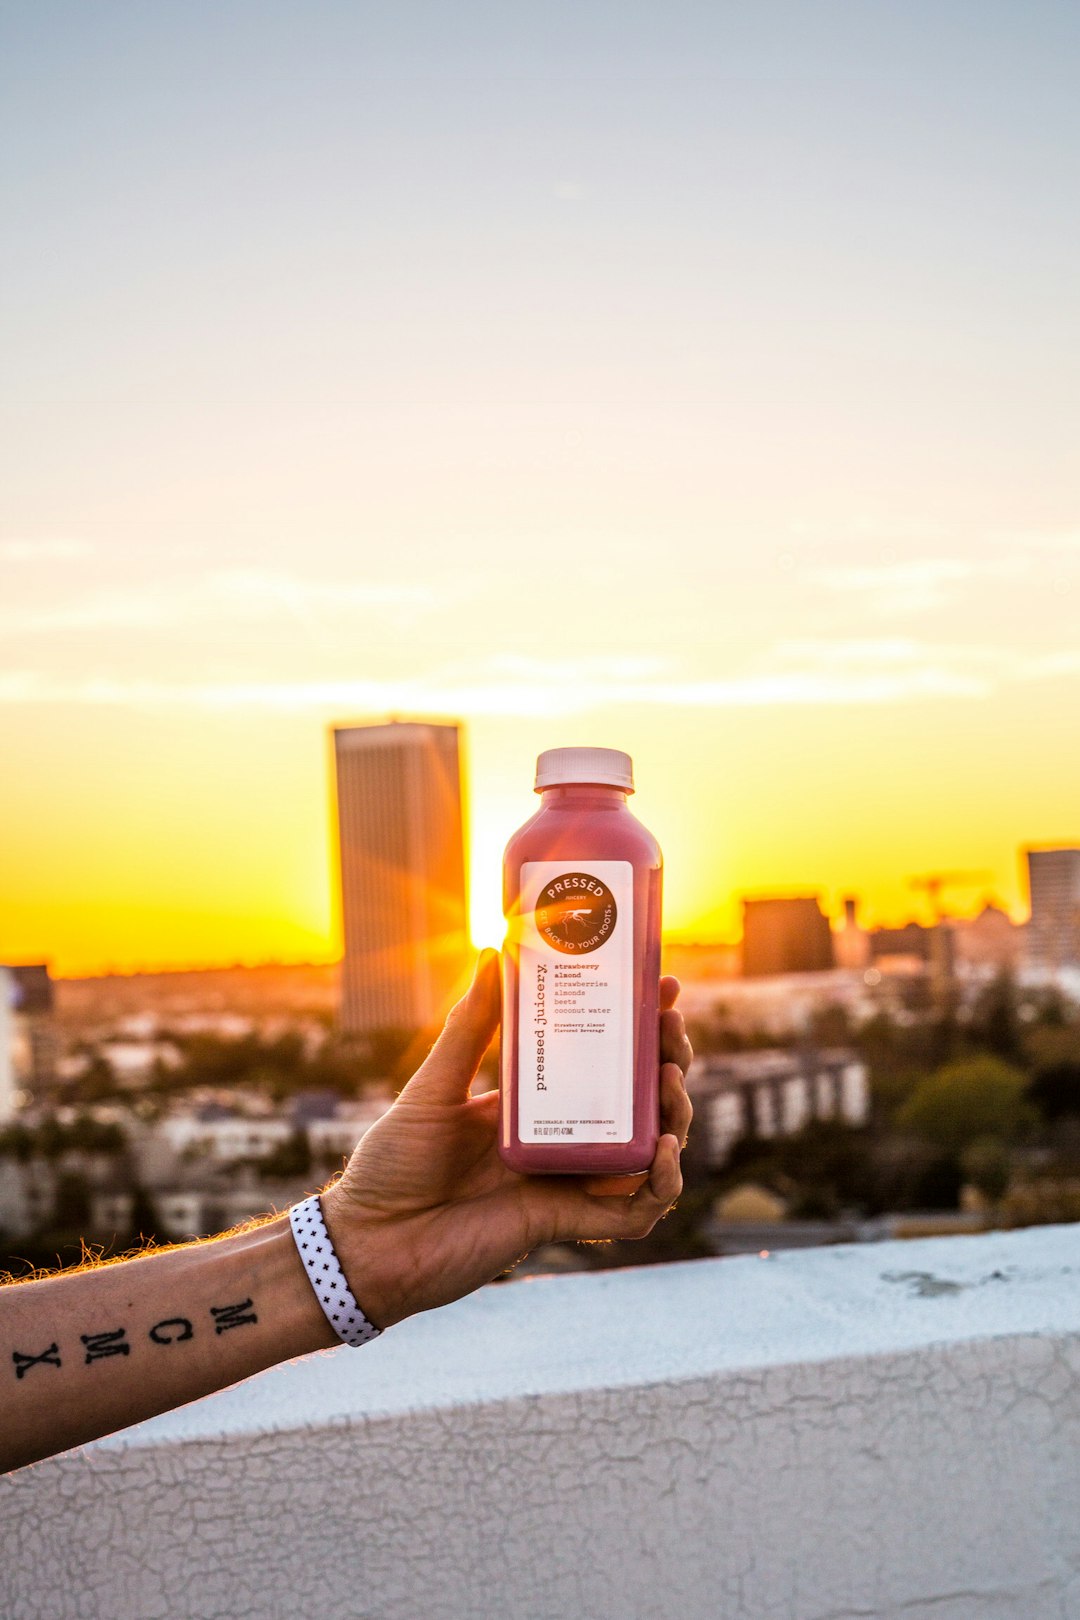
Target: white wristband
[[326, 1276]]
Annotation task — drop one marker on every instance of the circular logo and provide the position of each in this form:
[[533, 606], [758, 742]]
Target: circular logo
[[575, 913]]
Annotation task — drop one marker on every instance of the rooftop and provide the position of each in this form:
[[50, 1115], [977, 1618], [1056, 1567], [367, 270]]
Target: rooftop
[[873, 1431]]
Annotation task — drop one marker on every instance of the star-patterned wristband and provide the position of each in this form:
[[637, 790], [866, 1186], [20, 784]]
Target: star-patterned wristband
[[326, 1276]]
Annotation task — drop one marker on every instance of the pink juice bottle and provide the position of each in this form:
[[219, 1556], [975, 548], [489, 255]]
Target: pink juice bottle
[[581, 970]]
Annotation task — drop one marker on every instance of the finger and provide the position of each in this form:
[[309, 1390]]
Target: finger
[[674, 1045], [571, 1214], [676, 1109], [669, 991], [676, 1114], [614, 1186], [636, 1216], [447, 1071], [665, 1177]]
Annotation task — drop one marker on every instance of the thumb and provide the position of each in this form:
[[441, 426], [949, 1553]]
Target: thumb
[[446, 1073]]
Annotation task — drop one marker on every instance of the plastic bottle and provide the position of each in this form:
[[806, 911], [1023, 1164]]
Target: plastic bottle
[[580, 1031]]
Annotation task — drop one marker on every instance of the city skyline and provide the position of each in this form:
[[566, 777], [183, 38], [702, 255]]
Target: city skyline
[[692, 381], [846, 911]]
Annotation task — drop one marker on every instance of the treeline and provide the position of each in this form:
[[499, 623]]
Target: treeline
[[988, 1100]]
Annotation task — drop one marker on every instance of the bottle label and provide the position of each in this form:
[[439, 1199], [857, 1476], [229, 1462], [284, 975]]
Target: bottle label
[[575, 937]]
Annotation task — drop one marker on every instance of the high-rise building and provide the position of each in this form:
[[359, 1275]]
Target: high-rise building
[[28, 1039], [785, 936], [7, 1043], [1054, 886], [402, 862]]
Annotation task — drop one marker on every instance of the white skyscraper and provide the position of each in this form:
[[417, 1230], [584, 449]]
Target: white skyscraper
[[7, 1047], [1054, 932], [402, 862]]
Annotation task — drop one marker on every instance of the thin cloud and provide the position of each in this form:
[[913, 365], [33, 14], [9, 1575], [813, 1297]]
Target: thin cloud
[[603, 667], [339, 697], [18, 550], [1050, 666], [917, 585], [794, 674], [1064, 540], [231, 596]]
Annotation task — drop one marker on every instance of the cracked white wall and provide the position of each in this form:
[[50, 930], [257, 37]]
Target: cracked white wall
[[888, 1430]]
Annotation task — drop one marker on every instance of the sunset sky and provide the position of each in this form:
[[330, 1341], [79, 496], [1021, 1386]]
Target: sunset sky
[[693, 379]]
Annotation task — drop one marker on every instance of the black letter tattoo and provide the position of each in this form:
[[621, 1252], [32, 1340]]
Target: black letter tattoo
[[229, 1316], [160, 1335], [100, 1345], [47, 1358]]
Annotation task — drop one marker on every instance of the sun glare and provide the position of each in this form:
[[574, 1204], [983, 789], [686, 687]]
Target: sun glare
[[485, 893]]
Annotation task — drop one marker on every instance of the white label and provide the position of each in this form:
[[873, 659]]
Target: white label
[[575, 936]]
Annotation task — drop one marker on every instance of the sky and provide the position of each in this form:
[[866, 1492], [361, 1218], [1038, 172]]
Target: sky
[[696, 379]]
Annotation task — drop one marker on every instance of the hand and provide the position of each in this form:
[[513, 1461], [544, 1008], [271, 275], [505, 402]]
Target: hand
[[426, 1210]]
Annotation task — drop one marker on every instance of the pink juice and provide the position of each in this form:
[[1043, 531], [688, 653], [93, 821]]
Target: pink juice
[[581, 968]]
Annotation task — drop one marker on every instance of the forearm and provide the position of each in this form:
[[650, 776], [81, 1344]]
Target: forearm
[[84, 1354]]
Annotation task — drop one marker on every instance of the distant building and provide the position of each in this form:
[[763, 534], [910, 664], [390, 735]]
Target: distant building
[[692, 962], [402, 854], [775, 1093], [910, 940], [989, 940], [785, 935], [8, 1089], [28, 1042], [1054, 886], [337, 1137], [850, 944], [199, 1206], [27, 1194], [218, 1134]]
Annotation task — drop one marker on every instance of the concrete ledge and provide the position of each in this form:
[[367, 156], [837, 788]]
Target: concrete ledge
[[868, 1431]]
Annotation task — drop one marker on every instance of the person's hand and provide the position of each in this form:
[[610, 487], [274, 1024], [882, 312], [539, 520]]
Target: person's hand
[[426, 1210]]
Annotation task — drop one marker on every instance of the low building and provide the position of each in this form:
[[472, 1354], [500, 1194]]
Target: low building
[[180, 1212], [910, 941], [785, 1007], [111, 1210], [990, 940], [134, 1061], [775, 1093], [219, 1134], [788, 934], [202, 1204], [27, 1194], [339, 1135]]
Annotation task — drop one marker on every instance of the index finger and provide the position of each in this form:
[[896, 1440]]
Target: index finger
[[447, 1072], [669, 991]]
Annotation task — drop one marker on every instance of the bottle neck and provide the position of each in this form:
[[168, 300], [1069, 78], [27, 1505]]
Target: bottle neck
[[583, 796]]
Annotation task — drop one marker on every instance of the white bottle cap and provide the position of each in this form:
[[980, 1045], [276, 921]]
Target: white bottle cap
[[605, 767]]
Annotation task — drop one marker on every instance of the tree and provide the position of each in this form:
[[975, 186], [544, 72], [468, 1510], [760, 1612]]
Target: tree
[[995, 1021], [143, 1215], [16, 1142], [985, 1164], [970, 1098], [71, 1211], [828, 1162], [86, 1134], [1055, 1090], [98, 1082]]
